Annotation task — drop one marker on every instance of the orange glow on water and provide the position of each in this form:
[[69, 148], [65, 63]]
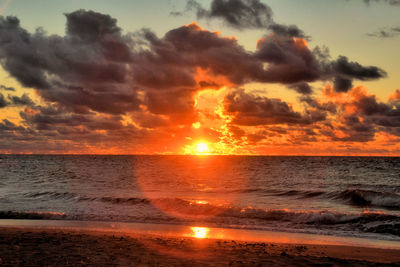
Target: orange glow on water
[[200, 232]]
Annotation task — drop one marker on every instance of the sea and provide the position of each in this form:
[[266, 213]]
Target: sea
[[337, 196]]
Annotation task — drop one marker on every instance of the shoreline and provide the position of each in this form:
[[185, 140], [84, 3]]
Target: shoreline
[[41, 245], [182, 230]]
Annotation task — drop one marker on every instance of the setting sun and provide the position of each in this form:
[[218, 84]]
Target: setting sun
[[199, 148], [202, 148]]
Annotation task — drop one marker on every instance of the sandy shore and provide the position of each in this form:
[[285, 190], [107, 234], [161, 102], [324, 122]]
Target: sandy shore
[[45, 247]]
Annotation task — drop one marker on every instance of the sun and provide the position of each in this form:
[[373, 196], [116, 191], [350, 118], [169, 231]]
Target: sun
[[202, 148]]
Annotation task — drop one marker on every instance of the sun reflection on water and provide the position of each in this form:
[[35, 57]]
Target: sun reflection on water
[[199, 232]]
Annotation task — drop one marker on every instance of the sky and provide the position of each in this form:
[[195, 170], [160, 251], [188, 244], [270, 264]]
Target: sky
[[257, 77]]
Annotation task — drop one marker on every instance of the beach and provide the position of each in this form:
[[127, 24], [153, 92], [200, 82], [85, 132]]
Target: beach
[[62, 247]]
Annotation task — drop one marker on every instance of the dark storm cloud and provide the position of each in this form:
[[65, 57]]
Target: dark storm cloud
[[95, 75], [10, 129], [90, 26], [386, 33], [57, 124], [356, 130], [251, 110], [344, 71], [178, 105], [95, 67], [23, 100], [302, 88], [13, 100], [244, 14], [355, 70], [322, 107], [49, 118], [184, 50], [3, 101], [342, 84], [49, 134], [74, 69], [84, 74], [287, 30], [382, 114], [368, 105], [290, 60], [236, 13]]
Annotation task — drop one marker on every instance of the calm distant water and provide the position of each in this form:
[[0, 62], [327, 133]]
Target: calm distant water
[[351, 196]]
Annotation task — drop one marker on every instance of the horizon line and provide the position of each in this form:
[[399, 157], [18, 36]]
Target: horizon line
[[196, 155]]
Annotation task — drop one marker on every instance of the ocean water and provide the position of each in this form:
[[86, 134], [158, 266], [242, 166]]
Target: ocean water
[[341, 196]]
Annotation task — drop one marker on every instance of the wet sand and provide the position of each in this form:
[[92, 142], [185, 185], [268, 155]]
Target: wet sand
[[52, 247]]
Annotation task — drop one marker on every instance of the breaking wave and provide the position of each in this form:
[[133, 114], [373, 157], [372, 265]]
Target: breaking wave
[[358, 197], [367, 222], [370, 198]]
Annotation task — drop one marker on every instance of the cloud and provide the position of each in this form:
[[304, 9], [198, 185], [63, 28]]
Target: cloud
[[250, 110], [101, 89], [355, 70], [178, 105], [239, 14], [354, 130], [3, 102], [72, 69], [13, 100], [291, 61], [361, 112], [90, 26], [342, 84], [6, 88], [287, 30], [344, 71], [390, 2], [95, 67], [243, 14], [302, 88], [386, 33], [23, 100]]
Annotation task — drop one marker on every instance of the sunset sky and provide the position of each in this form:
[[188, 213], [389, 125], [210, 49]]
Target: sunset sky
[[264, 77]]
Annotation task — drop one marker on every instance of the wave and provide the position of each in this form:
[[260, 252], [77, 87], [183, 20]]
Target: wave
[[52, 195], [76, 197], [367, 222], [358, 197], [370, 198], [225, 216], [301, 194], [121, 200], [250, 218]]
